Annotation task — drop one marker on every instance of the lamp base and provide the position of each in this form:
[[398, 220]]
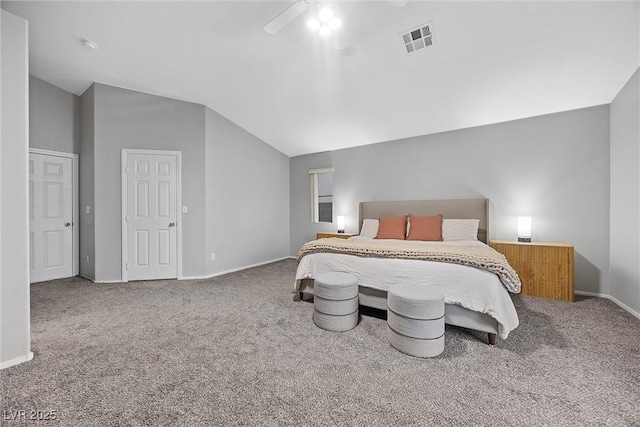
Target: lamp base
[[524, 239], [340, 231]]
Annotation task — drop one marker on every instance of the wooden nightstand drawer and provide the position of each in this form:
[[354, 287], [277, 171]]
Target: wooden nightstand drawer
[[545, 269], [325, 235]]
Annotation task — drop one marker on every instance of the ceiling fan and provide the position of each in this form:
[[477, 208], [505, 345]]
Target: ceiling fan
[[297, 8]]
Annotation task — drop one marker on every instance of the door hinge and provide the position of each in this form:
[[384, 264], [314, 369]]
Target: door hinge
[[126, 266]]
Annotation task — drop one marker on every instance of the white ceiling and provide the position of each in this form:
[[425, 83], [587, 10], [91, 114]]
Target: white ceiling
[[492, 62]]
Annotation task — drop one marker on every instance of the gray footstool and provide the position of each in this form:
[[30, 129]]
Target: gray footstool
[[415, 320], [335, 301]]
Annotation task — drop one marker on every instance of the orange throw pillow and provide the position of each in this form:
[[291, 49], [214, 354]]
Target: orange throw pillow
[[425, 228], [392, 228]]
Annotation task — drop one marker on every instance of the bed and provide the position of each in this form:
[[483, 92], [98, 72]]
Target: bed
[[474, 298]]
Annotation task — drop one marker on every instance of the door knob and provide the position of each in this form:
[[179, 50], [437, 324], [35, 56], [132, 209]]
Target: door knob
[[172, 224], [67, 224]]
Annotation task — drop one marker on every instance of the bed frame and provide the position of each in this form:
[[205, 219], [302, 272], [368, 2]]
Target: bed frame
[[454, 209]]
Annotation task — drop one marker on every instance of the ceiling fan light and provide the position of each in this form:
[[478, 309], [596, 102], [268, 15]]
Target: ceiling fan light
[[325, 15], [335, 23], [313, 24], [324, 30]]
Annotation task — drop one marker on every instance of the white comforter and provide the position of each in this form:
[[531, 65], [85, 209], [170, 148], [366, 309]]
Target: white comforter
[[469, 287]]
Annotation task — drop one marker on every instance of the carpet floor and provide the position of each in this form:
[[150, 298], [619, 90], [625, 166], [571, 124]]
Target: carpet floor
[[236, 350]]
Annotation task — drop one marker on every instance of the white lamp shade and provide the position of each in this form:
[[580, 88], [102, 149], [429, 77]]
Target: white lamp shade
[[524, 228], [340, 221]]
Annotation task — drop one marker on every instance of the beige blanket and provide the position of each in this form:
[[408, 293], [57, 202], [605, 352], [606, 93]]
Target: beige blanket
[[483, 257]]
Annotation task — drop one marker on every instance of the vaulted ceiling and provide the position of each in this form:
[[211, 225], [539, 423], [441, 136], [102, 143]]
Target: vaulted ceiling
[[302, 93]]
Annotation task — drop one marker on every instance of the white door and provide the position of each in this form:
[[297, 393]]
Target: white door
[[150, 215], [50, 217]]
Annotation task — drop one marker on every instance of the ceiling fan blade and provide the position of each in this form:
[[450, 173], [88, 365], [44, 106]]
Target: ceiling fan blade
[[289, 14]]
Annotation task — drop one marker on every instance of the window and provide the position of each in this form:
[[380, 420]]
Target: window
[[321, 195]]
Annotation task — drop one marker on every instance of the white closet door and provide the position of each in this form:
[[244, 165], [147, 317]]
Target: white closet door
[[151, 214], [50, 217]]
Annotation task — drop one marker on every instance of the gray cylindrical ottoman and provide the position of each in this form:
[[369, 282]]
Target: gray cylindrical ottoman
[[335, 301], [415, 320]]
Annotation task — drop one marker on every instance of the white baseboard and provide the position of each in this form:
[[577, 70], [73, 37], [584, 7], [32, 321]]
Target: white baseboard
[[100, 281], [16, 361], [612, 299], [209, 276], [222, 273]]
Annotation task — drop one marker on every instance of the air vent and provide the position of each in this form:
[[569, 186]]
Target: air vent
[[418, 38]]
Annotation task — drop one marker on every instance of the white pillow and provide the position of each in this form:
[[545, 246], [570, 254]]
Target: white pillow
[[460, 229], [369, 228]]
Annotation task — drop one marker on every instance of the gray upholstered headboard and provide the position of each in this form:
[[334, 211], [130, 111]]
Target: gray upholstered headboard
[[455, 209]]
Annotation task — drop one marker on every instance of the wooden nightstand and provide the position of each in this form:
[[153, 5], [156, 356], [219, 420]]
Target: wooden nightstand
[[545, 269], [324, 235]]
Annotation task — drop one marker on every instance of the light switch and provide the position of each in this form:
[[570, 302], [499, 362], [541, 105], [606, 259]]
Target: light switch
[[88, 209], [185, 209]]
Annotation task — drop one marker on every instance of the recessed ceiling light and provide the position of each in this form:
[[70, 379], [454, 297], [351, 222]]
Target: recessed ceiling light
[[89, 44]]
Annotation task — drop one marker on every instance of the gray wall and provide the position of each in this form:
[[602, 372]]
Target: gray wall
[[87, 187], [553, 167], [14, 206], [247, 197], [54, 117], [625, 195], [236, 187], [129, 119]]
